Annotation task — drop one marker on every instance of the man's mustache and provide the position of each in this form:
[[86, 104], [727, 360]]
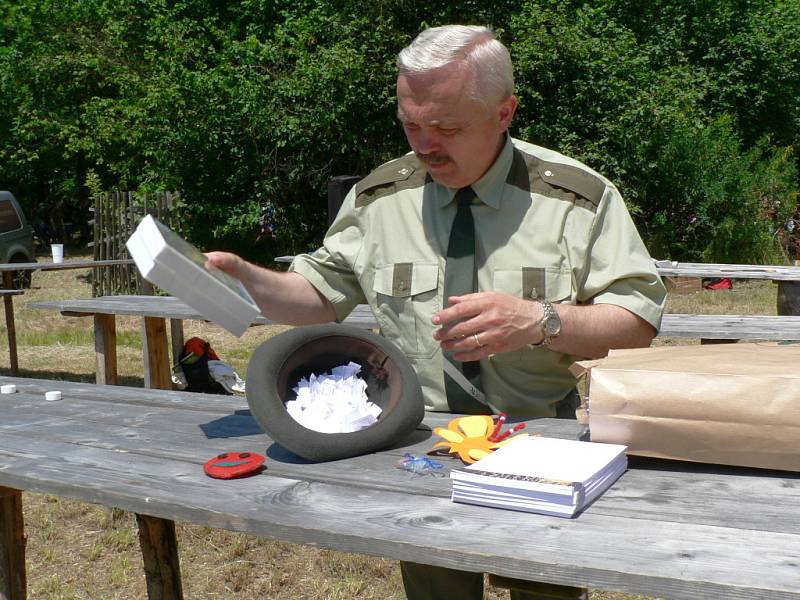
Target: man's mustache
[[432, 158]]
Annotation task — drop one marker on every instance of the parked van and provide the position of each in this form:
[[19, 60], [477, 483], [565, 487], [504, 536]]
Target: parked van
[[16, 237]]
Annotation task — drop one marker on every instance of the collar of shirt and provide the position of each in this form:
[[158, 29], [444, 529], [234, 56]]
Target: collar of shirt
[[489, 188]]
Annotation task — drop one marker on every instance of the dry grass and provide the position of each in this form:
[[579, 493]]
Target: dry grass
[[79, 551]]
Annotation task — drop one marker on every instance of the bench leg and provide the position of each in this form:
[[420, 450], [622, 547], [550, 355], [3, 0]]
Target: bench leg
[[160, 555], [105, 349], [788, 302], [13, 582], [156, 354], [8, 302], [176, 336]]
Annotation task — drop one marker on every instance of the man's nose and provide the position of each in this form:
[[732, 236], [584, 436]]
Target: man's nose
[[427, 142]]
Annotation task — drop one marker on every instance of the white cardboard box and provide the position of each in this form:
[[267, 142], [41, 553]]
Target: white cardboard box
[[173, 264]]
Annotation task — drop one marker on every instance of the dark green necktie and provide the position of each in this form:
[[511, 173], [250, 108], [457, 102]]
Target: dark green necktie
[[460, 278]]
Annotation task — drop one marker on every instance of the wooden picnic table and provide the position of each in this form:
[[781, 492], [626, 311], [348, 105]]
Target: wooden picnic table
[[155, 310], [666, 529], [8, 293]]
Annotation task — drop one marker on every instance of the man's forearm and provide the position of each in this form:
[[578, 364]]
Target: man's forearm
[[592, 330], [286, 297]]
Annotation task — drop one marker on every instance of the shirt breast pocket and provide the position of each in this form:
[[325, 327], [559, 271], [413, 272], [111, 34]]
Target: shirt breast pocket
[[549, 283], [406, 298]]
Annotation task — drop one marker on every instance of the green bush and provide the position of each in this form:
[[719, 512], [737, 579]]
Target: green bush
[[248, 108]]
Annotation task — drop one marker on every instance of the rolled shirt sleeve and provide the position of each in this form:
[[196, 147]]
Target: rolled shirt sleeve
[[619, 269]]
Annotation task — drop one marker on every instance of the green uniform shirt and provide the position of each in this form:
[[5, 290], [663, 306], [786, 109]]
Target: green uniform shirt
[[546, 226]]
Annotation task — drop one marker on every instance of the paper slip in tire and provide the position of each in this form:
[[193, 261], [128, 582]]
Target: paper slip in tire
[[173, 264]]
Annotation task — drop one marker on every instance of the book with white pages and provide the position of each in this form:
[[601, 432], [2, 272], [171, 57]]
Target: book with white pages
[[542, 475], [167, 260]]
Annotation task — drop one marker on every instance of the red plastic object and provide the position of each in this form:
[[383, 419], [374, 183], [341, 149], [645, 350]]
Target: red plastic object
[[722, 283], [234, 464]]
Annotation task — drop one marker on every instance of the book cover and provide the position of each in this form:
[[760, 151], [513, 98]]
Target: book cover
[[542, 475], [173, 264]]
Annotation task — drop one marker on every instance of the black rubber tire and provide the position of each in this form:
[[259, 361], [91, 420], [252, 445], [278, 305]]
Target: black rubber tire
[[277, 365]]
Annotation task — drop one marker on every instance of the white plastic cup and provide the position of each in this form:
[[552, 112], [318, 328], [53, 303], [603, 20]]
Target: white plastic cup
[[8, 389], [54, 395], [58, 252]]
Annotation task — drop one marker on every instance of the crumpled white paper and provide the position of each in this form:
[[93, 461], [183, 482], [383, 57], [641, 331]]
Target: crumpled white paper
[[335, 402]]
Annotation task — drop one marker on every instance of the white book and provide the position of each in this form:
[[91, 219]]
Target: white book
[[173, 264], [542, 475]]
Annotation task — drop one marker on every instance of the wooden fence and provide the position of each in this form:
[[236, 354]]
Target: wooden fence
[[116, 215]]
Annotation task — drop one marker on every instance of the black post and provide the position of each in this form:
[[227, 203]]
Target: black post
[[337, 189]]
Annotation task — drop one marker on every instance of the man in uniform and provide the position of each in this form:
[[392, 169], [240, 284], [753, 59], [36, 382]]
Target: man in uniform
[[490, 262]]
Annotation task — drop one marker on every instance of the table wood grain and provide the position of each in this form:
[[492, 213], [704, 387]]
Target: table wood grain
[[665, 529]]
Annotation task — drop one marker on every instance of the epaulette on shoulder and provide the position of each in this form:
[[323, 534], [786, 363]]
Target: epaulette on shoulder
[[587, 187], [557, 180], [403, 173]]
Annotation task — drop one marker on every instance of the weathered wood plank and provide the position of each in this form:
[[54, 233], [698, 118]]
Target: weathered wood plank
[[105, 349], [11, 329], [734, 271], [13, 582], [766, 327], [176, 339], [185, 436], [67, 264], [156, 357], [159, 546], [654, 557], [133, 396]]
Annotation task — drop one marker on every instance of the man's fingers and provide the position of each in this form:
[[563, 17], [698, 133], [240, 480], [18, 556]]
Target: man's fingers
[[460, 308]]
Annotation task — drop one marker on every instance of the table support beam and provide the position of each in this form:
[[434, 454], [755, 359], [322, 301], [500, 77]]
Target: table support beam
[[788, 302], [13, 582], [156, 354], [8, 303], [160, 555], [105, 349], [176, 336]]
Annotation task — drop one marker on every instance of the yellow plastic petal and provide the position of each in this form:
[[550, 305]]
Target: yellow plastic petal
[[450, 436], [474, 426], [477, 453]]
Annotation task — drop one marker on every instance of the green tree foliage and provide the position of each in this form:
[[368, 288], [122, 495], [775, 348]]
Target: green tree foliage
[[248, 107]]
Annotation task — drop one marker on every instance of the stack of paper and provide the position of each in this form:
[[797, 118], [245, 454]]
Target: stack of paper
[[173, 264], [542, 475]]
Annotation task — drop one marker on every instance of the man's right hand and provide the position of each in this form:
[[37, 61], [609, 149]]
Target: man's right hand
[[230, 263]]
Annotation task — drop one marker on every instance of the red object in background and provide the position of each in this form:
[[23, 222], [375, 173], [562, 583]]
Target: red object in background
[[234, 464], [199, 347], [718, 283]]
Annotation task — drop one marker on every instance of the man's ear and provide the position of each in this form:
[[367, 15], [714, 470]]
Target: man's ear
[[505, 112]]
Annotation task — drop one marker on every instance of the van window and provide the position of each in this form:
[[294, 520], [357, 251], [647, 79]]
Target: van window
[[9, 219]]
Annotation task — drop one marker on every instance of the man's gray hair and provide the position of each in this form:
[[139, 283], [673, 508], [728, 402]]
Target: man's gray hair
[[470, 46]]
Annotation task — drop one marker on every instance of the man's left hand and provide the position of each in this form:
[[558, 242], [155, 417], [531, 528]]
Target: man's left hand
[[477, 325]]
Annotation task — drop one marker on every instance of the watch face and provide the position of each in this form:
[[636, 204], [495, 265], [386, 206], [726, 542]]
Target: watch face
[[552, 326]]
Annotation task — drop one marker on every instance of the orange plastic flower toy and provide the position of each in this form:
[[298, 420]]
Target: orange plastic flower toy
[[474, 437]]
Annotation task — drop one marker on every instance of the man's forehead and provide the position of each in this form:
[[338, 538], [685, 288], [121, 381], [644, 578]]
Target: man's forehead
[[433, 99]]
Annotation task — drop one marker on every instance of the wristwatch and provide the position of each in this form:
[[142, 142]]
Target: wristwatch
[[550, 324]]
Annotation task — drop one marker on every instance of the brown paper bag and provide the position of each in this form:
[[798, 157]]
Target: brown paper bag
[[733, 404]]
